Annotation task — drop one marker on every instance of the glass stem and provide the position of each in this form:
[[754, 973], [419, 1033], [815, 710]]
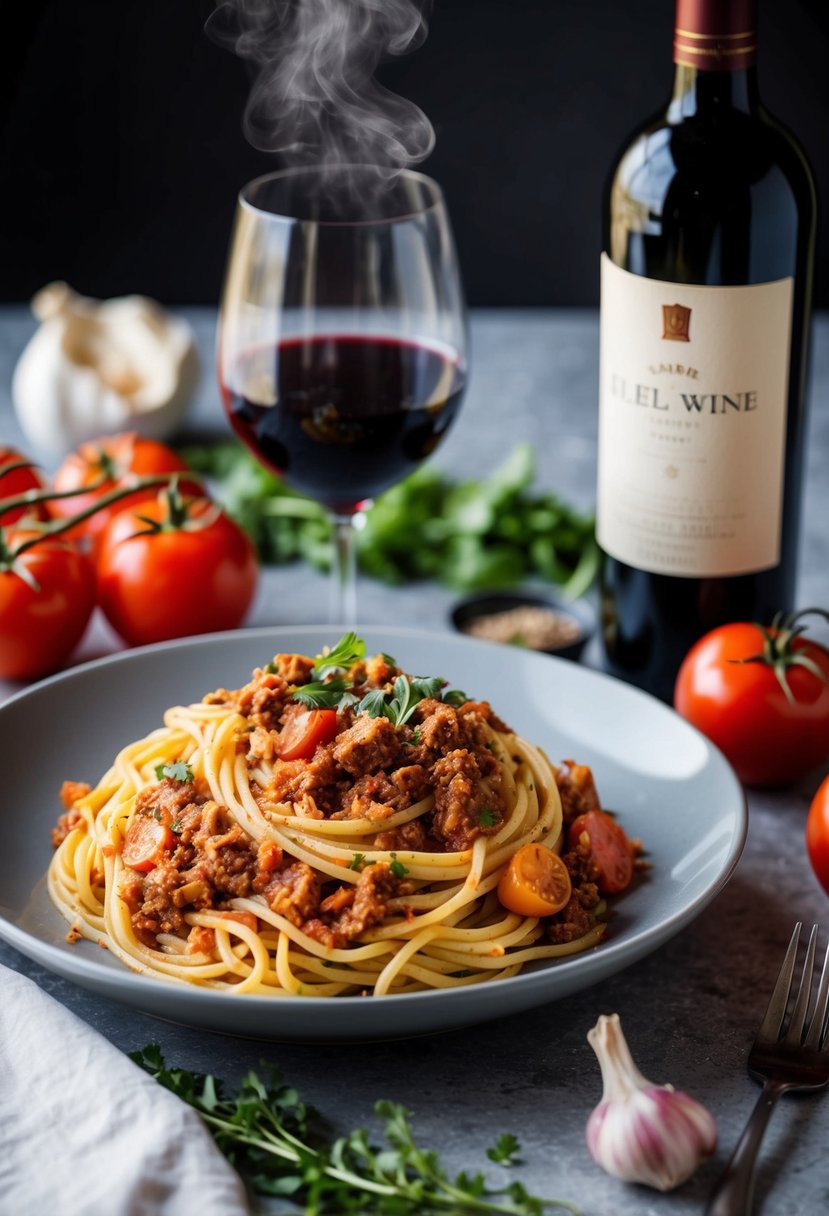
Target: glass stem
[[344, 570]]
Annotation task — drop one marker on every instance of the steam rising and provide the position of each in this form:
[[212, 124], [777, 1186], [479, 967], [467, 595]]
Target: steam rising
[[314, 97]]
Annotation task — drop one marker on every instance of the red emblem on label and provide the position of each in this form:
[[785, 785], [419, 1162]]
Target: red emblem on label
[[676, 323]]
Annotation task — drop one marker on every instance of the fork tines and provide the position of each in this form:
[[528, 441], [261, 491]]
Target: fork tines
[[771, 1029]]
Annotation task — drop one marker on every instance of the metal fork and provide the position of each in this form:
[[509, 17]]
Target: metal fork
[[796, 1059]]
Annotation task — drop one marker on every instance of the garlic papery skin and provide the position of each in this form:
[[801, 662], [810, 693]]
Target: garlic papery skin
[[640, 1132], [95, 368]]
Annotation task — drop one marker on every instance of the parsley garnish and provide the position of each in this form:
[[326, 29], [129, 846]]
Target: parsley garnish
[[348, 651], [356, 862], [176, 827], [455, 697], [397, 868], [327, 688], [405, 696], [180, 771], [329, 695], [279, 1144], [270, 668], [487, 818]]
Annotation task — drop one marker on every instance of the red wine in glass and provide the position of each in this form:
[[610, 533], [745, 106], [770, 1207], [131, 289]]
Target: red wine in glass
[[342, 342], [342, 417]]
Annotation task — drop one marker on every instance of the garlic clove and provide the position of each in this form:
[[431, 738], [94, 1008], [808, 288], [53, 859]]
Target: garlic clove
[[641, 1132], [99, 367]]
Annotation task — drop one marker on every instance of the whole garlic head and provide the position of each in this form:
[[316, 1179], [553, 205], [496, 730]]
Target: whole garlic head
[[98, 367], [641, 1132]]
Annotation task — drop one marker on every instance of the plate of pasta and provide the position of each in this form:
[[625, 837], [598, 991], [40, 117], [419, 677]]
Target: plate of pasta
[[287, 834]]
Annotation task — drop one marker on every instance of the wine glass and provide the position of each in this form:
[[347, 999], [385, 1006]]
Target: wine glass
[[342, 343]]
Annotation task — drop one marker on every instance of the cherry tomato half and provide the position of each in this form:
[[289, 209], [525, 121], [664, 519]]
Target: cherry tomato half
[[46, 599], [536, 882], [611, 850], [817, 834], [194, 577], [113, 461], [769, 738], [145, 843], [303, 734]]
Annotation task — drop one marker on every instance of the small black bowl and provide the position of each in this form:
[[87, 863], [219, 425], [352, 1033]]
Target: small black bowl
[[490, 603]]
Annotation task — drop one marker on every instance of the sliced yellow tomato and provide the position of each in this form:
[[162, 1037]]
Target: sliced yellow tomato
[[536, 882]]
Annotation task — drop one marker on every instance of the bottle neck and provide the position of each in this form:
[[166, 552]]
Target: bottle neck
[[715, 51], [708, 93]]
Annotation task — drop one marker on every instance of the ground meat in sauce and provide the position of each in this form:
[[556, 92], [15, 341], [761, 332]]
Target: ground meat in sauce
[[70, 793], [576, 788], [368, 906], [371, 769]]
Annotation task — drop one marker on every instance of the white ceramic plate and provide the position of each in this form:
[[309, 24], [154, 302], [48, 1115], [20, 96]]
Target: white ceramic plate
[[669, 785]]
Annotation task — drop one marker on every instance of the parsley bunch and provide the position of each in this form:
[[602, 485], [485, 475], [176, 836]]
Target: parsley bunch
[[269, 1135], [480, 533]]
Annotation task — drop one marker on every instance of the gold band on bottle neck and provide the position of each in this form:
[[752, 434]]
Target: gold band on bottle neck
[[715, 52]]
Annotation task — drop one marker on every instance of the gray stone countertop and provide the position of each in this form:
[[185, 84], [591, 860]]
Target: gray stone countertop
[[690, 1010]]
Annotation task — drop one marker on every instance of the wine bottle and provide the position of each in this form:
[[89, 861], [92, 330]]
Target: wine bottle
[[705, 300]]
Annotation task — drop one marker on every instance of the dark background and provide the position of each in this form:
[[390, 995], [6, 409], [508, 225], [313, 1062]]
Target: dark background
[[121, 147]]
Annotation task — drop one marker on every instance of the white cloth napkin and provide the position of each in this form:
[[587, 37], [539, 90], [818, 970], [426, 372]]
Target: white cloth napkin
[[85, 1132]]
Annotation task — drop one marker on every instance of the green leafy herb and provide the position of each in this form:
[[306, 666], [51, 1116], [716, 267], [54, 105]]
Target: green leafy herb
[[356, 862], [348, 651], [455, 697], [487, 818], [176, 827], [327, 695], [492, 532], [405, 697], [397, 868], [505, 1150], [275, 1141], [180, 771]]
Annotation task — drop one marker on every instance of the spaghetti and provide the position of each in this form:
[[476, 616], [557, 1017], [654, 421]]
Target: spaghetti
[[366, 863]]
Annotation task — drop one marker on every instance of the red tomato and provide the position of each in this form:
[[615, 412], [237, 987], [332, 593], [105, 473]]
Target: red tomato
[[116, 459], [535, 882], [610, 847], [42, 620], [193, 575], [17, 482], [300, 738], [145, 842], [770, 739], [817, 834]]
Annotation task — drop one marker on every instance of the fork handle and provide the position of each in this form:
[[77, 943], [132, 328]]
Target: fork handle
[[734, 1193]]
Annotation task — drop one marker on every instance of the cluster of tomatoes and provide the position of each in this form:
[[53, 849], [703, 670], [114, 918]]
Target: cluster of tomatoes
[[761, 694], [123, 526]]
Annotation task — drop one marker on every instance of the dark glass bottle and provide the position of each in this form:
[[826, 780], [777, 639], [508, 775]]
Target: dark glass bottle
[[702, 388]]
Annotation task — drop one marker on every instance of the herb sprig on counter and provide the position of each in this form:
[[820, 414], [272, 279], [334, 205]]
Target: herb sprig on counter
[[275, 1142], [478, 533]]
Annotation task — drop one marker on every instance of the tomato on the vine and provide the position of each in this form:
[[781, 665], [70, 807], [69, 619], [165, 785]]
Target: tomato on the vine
[[106, 464], [18, 481], [762, 696], [174, 566], [817, 834], [47, 594]]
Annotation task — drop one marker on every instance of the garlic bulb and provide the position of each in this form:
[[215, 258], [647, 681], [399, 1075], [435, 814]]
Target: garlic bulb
[[640, 1132], [98, 367]]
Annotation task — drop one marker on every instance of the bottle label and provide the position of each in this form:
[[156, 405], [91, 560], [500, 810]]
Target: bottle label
[[693, 387]]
